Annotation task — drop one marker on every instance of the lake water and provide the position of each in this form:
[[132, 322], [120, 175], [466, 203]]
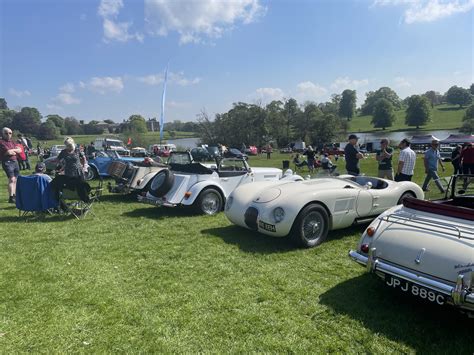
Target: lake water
[[189, 143]]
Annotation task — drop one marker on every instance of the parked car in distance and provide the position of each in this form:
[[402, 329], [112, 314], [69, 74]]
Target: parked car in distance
[[426, 248], [98, 166], [55, 150], [307, 210], [111, 144], [235, 153], [251, 150], [286, 150], [205, 187], [446, 153], [138, 152]]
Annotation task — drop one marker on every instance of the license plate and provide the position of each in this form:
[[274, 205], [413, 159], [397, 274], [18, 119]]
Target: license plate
[[266, 226], [415, 290]]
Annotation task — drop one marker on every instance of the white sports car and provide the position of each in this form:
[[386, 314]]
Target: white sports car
[[307, 210], [204, 186]]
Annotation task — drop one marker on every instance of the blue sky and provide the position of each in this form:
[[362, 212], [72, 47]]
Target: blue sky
[[104, 59]]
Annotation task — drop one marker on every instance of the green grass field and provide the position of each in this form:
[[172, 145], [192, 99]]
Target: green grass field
[[136, 278], [442, 117]]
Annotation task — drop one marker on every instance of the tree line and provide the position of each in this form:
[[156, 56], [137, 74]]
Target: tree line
[[282, 122]]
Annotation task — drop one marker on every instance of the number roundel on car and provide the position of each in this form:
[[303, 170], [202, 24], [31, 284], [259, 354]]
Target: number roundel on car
[[162, 183]]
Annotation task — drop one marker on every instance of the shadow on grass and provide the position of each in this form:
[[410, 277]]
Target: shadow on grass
[[254, 242], [449, 108], [159, 212], [118, 198], [250, 241], [36, 219], [425, 327]]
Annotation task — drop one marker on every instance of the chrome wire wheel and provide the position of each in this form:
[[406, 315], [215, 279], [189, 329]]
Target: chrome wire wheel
[[210, 202], [312, 226]]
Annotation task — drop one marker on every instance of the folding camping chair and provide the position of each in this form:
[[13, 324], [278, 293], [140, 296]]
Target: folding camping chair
[[79, 203], [34, 197]]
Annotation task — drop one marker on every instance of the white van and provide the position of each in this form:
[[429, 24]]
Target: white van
[[111, 144]]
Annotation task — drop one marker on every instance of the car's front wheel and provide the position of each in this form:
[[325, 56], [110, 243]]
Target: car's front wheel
[[209, 202], [404, 196], [91, 174], [311, 226]]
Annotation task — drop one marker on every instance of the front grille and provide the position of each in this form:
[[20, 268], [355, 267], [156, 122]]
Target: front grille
[[251, 216]]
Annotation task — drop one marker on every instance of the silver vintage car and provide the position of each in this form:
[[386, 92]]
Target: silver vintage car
[[426, 248]]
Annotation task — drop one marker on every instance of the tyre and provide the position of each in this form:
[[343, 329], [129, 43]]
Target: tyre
[[209, 202], [311, 226], [404, 196], [161, 183], [91, 174]]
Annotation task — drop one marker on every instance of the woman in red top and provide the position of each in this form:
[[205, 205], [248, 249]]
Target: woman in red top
[[467, 159], [8, 153]]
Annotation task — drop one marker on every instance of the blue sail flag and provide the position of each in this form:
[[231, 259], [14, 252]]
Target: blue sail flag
[[163, 98]]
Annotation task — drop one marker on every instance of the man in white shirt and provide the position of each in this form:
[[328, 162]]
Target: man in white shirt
[[406, 162]]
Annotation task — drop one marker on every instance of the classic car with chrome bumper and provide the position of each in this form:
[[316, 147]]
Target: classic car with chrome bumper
[[425, 248]]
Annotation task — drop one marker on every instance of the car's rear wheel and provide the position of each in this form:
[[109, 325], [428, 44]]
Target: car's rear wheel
[[404, 196], [209, 202], [162, 183], [91, 174], [311, 226]]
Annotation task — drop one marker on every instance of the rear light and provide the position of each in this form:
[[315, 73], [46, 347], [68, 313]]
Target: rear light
[[370, 231], [187, 194], [364, 248]]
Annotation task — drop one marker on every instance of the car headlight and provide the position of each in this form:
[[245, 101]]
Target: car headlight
[[278, 214], [228, 203]]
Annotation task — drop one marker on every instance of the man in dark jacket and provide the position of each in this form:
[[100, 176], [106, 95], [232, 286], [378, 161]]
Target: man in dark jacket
[[352, 155]]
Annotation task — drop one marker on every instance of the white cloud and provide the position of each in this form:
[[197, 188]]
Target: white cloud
[[119, 31], [343, 83], [267, 95], [308, 91], [53, 107], [195, 19], [113, 29], [66, 99], [109, 8], [173, 78], [102, 85], [68, 87], [429, 10], [19, 93], [401, 82]]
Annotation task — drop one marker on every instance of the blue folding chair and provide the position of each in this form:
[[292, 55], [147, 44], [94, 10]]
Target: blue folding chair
[[33, 195]]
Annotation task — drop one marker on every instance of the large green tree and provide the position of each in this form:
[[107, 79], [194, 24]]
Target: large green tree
[[347, 105], [27, 120], [382, 93], [471, 89], [469, 114], [383, 114], [137, 124], [58, 121], [72, 126], [418, 112], [433, 97], [6, 118], [468, 126], [3, 104], [458, 96], [48, 130], [325, 129]]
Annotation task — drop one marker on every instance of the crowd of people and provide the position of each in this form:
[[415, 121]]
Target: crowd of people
[[72, 164]]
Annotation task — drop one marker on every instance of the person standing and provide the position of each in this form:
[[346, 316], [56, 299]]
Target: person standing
[[467, 159], [431, 159], [25, 160], [269, 151], [352, 156], [384, 157], [456, 159], [311, 155], [406, 162], [8, 153]]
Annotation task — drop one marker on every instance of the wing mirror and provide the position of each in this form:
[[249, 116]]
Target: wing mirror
[[368, 186]]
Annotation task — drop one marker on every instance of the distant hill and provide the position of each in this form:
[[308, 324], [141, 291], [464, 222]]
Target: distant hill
[[442, 117]]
